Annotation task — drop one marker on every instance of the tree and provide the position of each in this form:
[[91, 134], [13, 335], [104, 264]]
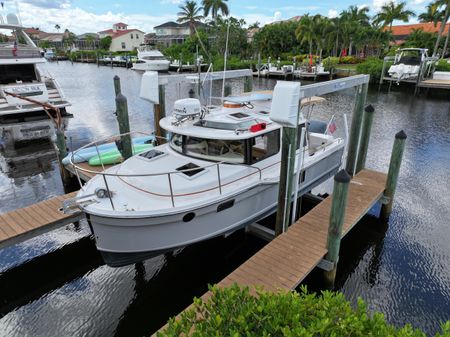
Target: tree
[[190, 13], [90, 41], [254, 25], [352, 22], [273, 40], [390, 12], [433, 14], [305, 31], [57, 27], [446, 5], [214, 7], [420, 39], [105, 42]]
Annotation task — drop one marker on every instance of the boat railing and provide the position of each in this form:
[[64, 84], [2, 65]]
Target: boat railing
[[172, 195], [8, 51]]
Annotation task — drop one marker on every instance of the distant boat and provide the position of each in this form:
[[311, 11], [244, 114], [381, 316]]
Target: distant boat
[[50, 55], [407, 63], [150, 59]]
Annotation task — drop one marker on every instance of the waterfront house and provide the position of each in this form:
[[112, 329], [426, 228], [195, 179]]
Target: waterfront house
[[170, 33], [401, 32], [123, 39]]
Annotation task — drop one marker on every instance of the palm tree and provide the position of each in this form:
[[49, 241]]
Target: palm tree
[[390, 12], [57, 27], [446, 5], [433, 14], [352, 20], [305, 31], [214, 7], [190, 13]]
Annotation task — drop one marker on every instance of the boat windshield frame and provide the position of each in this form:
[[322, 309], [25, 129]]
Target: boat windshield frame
[[232, 151]]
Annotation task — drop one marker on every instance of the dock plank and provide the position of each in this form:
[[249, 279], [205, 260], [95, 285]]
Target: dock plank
[[27, 222], [285, 261]]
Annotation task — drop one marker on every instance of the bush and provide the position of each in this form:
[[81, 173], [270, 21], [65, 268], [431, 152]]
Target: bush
[[443, 65], [233, 63], [330, 63], [373, 67], [235, 312], [350, 60]]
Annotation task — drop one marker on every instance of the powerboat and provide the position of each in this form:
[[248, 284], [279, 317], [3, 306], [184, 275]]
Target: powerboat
[[24, 89], [407, 63], [218, 172], [150, 59]]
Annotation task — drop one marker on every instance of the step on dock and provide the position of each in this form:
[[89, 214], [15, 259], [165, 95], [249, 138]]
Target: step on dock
[[25, 223], [285, 261]]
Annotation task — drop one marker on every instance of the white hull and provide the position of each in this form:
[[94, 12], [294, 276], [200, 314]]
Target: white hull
[[130, 239], [152, 66]]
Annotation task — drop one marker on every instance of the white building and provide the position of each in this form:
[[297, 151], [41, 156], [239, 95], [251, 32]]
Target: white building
[[123, 39], [170, 33]]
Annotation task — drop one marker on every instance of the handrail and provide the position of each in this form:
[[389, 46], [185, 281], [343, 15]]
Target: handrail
[[172, 195]]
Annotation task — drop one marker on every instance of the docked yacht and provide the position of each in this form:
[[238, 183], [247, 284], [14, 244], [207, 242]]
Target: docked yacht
[[407, 63], [23, 88], [218, 172], [150, 59]]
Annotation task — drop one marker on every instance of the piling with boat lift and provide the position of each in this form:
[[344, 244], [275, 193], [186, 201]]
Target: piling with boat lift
[[123, 120]]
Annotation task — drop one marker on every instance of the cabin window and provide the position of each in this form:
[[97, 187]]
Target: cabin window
[[17, 73], [265, 146], [231, 151], [123, 45]]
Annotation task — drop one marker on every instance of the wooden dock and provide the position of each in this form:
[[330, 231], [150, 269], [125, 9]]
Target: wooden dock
[[25, 223], [285, 261]]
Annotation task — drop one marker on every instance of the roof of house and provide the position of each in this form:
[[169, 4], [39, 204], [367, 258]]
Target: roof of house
[[85, 35], [120, 24], [405, 30], [117, 33], [53, 37], [174, 24], [32, 31]]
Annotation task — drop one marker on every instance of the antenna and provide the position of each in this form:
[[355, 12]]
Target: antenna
[[225, 60], [18, 12]]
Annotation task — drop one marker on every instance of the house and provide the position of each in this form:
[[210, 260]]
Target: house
[[123, 39], [251, 34], [171, 32], [401, 32], [88, 41]]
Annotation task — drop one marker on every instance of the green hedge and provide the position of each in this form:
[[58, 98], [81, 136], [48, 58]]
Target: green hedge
[[235, 312], [443, 65], [373, 67]]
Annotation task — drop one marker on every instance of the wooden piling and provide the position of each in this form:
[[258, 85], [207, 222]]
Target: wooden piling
[[394, 170], [337, 215], [259, 65], [288, 148], [365, 137], [248, 84], [160, 113], [117, 88], [355, 130], [124, 126], [61, 147]]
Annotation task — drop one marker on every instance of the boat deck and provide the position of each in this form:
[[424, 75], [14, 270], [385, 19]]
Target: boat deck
[[28, 222], [285, 261]]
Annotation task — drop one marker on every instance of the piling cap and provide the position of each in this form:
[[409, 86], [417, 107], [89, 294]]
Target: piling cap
[[400, 135], [121, 98], [369, 108], [116, 77], [342, 177]]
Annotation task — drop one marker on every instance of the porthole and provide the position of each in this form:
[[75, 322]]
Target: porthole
[[189, 217]]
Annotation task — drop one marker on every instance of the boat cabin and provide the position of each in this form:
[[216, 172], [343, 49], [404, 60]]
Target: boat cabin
[[410, 56]]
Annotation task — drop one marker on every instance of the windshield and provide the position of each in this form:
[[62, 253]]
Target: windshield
[[231, 151], [151, 58]]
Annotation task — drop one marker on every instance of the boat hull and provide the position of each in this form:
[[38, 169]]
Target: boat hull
[[163, 66], [128, 240]]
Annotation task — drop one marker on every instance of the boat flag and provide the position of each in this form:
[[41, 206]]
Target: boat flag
[[331, 127], [14, 50]]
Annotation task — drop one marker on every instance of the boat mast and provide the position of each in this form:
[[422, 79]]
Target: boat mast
[[225, 60]]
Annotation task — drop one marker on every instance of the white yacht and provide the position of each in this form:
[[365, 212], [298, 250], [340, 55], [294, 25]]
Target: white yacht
[[150, 59], [218, 172], [407, 63], [23, 88]]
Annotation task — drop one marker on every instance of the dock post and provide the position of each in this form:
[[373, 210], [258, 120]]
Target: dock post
[[124, 126], [392, 177], [117, 88], [159, 111], [355, 130], [259, 65], [382, 75], [365, 137], [288, 147], [248, 84], [62, 153], [337, 215]]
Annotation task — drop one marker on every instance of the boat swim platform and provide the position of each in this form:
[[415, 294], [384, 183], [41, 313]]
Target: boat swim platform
[[28, 222], [285, 261], [429, 83]]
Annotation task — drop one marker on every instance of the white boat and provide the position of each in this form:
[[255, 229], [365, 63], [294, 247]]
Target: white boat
[[50, 55], [407, 63], [23, 87], [218, 173], [150, 60]]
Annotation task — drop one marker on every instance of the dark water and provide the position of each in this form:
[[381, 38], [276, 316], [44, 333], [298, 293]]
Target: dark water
[[57, 285]]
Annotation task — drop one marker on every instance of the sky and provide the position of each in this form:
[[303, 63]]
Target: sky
[[81, 16]]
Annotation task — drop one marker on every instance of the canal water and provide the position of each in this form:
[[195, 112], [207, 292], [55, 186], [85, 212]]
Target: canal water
[[57, 285]]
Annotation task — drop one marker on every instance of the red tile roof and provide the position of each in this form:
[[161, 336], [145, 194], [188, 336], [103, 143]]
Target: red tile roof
[[118, 33], [120, 24], [404, 30]]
